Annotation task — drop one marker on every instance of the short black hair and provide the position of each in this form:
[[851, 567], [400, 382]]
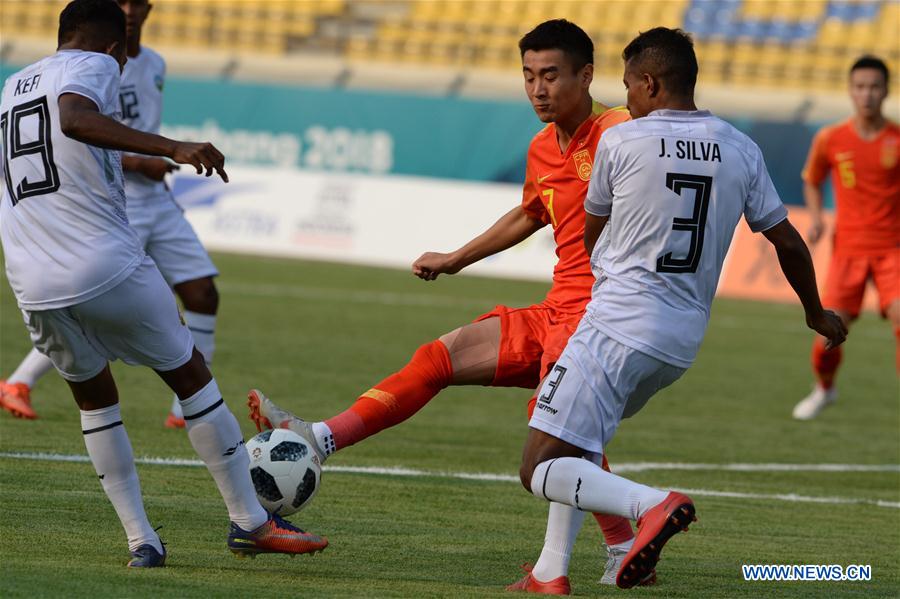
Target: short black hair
[[668, 55], [871, 62], [560, 34], [100, 19]]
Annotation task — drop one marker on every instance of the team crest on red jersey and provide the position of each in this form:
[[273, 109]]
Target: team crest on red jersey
[[889, 153], [583, 164]]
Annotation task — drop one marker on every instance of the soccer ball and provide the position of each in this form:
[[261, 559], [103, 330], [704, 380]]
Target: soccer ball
[[284, 469]]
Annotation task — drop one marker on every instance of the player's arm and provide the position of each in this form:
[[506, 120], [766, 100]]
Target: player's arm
[[812, 195], [80, 119], [512, 228], [151, 167], [797, 266], [814, 172], [593, 227]]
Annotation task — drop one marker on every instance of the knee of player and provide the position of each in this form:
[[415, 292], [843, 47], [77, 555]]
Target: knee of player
[[199, 295], [526, 472]]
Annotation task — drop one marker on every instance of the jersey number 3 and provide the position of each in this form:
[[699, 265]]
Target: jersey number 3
[[695, 225], [10, 123]]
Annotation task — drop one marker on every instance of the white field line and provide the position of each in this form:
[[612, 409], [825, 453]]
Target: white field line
[[624, 467], [423, 300]]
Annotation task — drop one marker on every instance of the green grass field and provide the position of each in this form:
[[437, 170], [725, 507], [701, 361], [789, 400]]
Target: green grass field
[[315, 335]]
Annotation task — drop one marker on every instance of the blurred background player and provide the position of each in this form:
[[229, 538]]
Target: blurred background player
[[152, 211], [671, 186], [87, 290], [863, 155], [509, 347]]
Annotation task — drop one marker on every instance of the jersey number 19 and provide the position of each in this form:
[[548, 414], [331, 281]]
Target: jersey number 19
[[10, 123]]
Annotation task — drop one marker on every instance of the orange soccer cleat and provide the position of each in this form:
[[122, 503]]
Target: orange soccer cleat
[[530, 584], [15, 398], [655, 528], [173, 421], [275, 536]]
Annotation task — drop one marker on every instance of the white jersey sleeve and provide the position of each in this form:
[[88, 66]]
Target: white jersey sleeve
[[94, 76], [600, 194], [64, 228], [763, 209]]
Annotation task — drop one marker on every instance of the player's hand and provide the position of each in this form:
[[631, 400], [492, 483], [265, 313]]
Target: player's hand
[[156, 168], [202, 156], [431, 264], [816, 228], [829, 325]]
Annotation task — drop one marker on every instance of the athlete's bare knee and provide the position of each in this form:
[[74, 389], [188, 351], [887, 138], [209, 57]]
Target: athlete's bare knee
[[95, 393], [189, 378], [199, 295], [474, 350], [526, 471]]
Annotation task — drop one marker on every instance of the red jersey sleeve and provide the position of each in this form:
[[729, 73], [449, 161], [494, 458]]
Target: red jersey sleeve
[[531, 199], [817, 165]]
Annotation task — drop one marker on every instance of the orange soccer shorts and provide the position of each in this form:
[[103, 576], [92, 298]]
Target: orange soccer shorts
[[531, 340], [848, 275]]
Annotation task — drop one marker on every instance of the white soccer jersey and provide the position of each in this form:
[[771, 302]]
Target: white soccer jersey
[[65, 232], [140, 98], [675, 185]]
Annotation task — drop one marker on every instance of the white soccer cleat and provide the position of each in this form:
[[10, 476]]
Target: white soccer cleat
[[266, 415], [810, 406], [615, 557]]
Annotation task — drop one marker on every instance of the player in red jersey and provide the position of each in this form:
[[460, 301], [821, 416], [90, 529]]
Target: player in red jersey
[[863, 156], [509, 347]]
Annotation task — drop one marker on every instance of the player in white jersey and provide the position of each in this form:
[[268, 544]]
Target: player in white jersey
[[668, 189], [152, 211], [88, 292]]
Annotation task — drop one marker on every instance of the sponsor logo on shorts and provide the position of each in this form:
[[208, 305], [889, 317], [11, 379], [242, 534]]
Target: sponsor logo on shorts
[[546, 408]]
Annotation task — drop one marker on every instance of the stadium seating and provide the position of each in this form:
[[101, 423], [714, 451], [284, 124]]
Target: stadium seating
[[776, 43]]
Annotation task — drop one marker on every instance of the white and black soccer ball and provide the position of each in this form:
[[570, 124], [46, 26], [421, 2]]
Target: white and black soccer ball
[[284, 469]]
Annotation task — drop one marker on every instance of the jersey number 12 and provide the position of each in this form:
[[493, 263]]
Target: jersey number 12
[[695, 225], [10, 123]]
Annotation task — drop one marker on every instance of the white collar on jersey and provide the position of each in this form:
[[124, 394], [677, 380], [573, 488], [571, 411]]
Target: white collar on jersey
[[699, 114]]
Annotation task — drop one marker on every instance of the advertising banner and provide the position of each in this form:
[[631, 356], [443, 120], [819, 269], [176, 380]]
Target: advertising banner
[[383, 221]]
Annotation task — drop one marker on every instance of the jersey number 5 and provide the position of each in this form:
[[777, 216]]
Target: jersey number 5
[[695, 225], [10, 123]]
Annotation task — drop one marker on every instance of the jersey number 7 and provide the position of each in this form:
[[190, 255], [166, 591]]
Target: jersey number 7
[[10, 123], [694, 225]]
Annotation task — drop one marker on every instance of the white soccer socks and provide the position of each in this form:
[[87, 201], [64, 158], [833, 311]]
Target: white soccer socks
[[110, 452], [588, 487], [217, 439], [31, 369], [203, 329], [563, 524]]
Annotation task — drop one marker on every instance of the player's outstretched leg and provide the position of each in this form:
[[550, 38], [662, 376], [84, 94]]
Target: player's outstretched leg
[[216, 437], [200, 299], [563, 525], [15, 392], [582, 484], [466, 356]]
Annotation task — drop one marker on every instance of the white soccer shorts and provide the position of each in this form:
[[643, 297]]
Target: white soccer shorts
[[137, 321], [170, 239], [596, 382]]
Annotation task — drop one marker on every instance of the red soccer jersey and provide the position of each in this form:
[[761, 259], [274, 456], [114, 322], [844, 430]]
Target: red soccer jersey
[[866, 179], [556, 184]]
